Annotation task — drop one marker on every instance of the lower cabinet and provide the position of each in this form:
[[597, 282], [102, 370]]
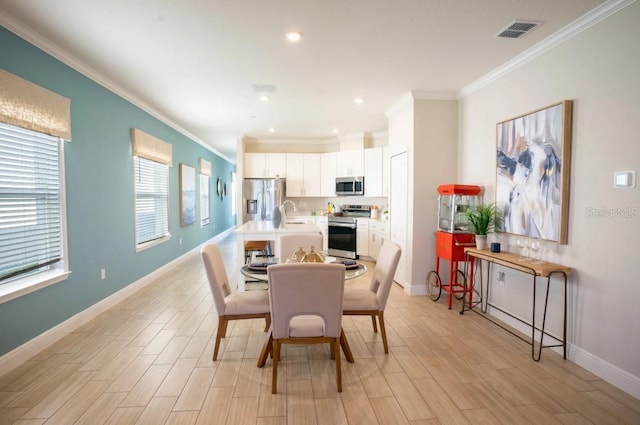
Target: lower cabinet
[[362, 236], [323, 224], [378, 235]]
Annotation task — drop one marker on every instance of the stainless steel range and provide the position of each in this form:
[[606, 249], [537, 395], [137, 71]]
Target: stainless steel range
[[342, 230]]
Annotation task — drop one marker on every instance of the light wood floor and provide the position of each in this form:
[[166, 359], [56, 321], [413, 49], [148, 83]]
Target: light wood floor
[[148, 361]]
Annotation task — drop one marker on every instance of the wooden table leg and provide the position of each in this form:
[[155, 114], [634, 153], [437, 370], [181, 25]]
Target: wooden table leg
[[266, 349], [345, 347]]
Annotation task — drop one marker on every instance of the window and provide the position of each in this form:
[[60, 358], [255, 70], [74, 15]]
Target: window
[[205, 203], [31, 204], [152, 158], [152, 201]]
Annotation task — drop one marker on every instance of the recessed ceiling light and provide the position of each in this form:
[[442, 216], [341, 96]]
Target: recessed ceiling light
[[264, 99], [294, 36], [335, 131], [358, 100], [272, 130]]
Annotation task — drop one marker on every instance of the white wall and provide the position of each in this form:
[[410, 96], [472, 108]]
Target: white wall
[[599, 69]]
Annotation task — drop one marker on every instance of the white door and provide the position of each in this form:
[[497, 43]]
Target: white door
[[398, 197]]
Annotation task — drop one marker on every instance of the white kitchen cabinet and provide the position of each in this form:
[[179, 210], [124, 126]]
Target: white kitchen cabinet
[[323, 223], [328, 174], [303, 174], [350, 163], [262, 165], [378, 235], [373, 172], [362, 236]]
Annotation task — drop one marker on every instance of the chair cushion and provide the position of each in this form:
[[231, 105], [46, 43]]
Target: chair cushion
[[359, 299], [247, 302], [306, 326]]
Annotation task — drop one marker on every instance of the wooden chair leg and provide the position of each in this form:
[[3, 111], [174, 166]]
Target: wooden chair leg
[[383, 332], [274, 375], [375, 325], [221, 333], [336, 352]]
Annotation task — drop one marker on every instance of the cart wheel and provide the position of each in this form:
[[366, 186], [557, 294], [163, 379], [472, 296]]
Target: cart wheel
[[461, 280], [434, 285]]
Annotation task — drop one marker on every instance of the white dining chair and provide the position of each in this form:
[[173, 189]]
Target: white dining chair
[[231, 305], [290, 242], [306, 308], [372, 301]]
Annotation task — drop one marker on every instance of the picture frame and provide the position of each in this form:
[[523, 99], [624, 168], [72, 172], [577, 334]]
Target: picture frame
[[187, 195], [533, 171]]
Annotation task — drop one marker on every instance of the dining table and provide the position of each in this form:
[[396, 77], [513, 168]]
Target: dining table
[[260, 273]]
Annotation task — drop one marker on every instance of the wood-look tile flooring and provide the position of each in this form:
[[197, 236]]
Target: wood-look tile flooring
[[148, 361]]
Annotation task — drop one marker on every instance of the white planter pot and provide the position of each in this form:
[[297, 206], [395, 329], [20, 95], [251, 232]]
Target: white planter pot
[[481, 241]]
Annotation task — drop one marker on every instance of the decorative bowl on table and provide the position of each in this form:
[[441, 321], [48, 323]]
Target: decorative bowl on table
[[313, 257]]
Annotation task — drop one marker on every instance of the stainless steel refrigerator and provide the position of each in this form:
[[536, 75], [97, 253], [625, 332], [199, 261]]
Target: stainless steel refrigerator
[[260, 197]]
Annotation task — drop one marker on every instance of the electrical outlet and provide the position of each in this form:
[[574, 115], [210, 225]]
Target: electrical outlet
[[180, 241], [103, 274]]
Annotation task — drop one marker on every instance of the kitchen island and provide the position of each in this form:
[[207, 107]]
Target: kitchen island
[[264, 231]]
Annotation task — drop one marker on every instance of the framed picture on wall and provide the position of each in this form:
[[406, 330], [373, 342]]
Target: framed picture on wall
[[187, 195], [532, 172]]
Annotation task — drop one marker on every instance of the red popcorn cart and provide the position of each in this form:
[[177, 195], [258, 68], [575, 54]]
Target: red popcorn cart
[[452, 236]]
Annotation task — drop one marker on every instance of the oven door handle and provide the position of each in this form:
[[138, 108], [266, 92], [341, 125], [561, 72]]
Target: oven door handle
[[350, 226]]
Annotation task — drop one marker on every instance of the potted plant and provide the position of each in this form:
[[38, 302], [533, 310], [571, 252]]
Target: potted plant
[[484, 219]]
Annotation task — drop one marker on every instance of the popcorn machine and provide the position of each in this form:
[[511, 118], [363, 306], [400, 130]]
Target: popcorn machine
[[452, 236]]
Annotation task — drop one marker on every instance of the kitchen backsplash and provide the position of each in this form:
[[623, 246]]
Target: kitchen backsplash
[[306, 206]]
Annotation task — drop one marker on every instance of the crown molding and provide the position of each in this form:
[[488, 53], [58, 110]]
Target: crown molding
[[405, 100], [581, 24], [413, 95], [21, 30], [434, 95]]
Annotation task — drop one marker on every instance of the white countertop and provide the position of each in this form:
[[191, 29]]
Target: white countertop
[[267, 227]]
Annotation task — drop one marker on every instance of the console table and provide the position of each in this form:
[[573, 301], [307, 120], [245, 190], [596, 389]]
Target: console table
[[513, 261]]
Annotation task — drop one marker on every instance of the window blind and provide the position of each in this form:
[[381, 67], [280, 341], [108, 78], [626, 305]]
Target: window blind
[[152, 200], [30, 202]]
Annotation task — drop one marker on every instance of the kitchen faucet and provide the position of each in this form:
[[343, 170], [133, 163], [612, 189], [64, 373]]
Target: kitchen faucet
[[288, 201], [283, 209]]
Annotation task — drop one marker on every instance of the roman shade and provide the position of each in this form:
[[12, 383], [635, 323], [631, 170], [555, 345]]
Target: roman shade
[[147, 146], [205, 167], [30, 106]]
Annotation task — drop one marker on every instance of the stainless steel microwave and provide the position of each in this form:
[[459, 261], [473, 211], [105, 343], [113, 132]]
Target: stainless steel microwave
[[349, 186]]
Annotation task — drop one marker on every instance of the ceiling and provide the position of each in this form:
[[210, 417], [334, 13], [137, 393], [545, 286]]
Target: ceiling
[[194, 63]]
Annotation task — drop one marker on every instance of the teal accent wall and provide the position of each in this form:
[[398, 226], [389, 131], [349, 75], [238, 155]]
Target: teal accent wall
[[100, 196]]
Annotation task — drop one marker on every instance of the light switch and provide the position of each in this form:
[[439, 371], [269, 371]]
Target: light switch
[[624, 179]]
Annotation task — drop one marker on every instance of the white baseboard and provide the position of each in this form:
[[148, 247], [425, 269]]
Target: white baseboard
[[599, 367], [24, 352], [605, 370]]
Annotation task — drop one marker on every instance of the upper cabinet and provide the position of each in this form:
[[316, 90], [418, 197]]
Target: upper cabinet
[[373, 172], [328, 175], [257, 165], [303, 174], [350, 163]]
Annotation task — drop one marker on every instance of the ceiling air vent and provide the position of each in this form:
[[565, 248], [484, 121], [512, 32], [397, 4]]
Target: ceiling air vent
[[517, 29]]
